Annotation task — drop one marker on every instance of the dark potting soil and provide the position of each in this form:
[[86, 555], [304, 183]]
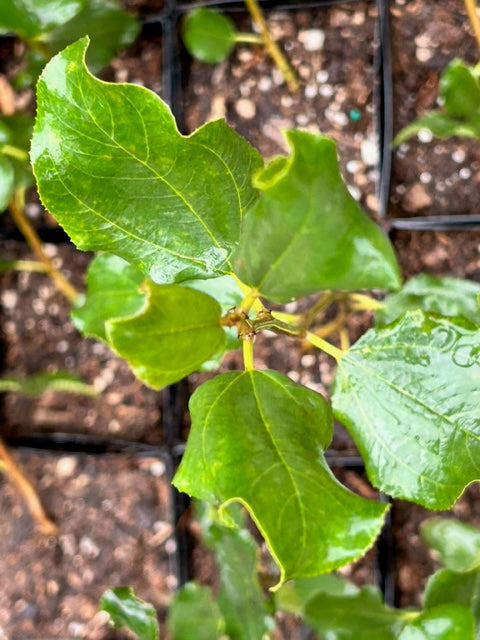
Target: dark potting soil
[[115, 521]]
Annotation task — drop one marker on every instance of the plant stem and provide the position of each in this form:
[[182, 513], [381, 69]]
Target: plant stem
[[365, 303], [271, 46], [249, 301], [22, 265], [248, 353], [34, 505], [322, 344], [322, 303], [471, 7], [16, 207], [14, 152], [250, 38]]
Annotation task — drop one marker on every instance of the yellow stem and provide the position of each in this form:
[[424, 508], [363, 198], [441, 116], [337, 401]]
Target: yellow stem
[[292, 318], [362, 302], [322, 344], [14, 152], [271, 46], [322, 303], [344, 339], [16, 208], [34, 505], [250, 38], [248, 353], [471, 7]]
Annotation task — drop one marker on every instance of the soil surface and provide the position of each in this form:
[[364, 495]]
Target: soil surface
[[118, 507]]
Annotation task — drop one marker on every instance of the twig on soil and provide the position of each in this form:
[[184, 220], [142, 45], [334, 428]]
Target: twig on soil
[[16, 208], [11, 468], [471, 7]]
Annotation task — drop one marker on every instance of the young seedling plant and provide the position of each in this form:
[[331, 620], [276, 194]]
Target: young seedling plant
[[198, 237], [329, 605]]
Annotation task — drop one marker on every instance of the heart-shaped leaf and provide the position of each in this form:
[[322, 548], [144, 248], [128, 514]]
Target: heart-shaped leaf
[[446, 296], [409, 394], [258, 438], [175, 333], [306, 232], [208, 35], [113, 291], [114, 171]]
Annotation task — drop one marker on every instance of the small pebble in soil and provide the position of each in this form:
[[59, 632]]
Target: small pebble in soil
[[66, 466], [9, 299], [465, 173], [310, 91], [425, 135], [326, 90], [416, 198], [245, 108], [369, 152], [425, 177], [354, 166], [458, 156], [264, 84], [321, 76], [312, 39], [354, 192]]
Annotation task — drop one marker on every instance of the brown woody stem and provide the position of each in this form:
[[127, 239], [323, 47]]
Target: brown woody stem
[[17, 211], [471, 7], [33, 502]]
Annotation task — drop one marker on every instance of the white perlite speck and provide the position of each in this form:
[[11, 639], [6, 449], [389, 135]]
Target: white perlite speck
[[312, 39], [369, 152]]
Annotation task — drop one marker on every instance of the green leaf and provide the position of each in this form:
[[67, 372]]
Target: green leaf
[[194, 614], [458, 543], [446, 622], [358, 615], [30, 18], [441, 126], [38, 383], [126, 610], [460, 90], [15, 134], [258, 438], [109, 28], [176, 332], [409, 394], [306, 233], [114, 171], [7, 182], [446, 296], [294, 595], [240, 596], [446, 586], [208, 35], [113, 291]]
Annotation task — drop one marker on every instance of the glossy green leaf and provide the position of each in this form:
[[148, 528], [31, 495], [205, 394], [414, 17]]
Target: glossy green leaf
[[38, 383], [460, 90], [294, 595], [113, 291], [114, 171], [446, 296], [7, 182], [208, 35], [194, 614], [30, 18], [240, 595], [107, 25], [176, 332], [258, 438], [358, 615], [441, 126], [457, 543], [409, 394], [306, 232], [446, 622], [126, 610], [446, 586]]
